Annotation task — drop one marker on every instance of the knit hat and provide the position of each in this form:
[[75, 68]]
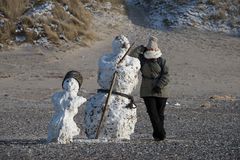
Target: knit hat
[[152, 50], [76, 75]]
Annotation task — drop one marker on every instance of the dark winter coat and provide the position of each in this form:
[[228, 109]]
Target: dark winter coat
[[154, 73]]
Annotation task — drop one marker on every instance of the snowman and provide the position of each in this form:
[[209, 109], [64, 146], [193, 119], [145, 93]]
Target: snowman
[[62, 127], [120, 117]]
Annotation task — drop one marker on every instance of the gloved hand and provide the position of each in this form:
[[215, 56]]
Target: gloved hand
[[156, 89], [142, 49]]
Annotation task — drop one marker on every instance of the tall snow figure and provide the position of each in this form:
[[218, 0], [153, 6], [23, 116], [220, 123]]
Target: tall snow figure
[[62, 127], [121, 116]]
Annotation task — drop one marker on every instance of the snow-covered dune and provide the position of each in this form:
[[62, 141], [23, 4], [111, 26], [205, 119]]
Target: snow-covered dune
[[211, 15]]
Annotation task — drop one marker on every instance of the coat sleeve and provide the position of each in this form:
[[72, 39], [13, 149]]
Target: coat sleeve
[[137, 51], [164, 77]]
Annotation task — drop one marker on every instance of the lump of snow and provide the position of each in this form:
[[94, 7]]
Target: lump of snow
[[177, 104], [19, 28], [66, 7], [42, 40], [2, 22], [107, 5], [20, 38], [1, 15], [44, 9]]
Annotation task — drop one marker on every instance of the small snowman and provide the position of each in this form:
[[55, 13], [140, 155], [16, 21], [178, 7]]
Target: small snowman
[[62, 127]]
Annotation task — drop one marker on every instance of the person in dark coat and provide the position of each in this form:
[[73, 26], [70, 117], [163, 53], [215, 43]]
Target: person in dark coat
[[154, 87]]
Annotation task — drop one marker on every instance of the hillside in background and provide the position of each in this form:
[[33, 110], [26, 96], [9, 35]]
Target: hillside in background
[[211, 15], [56, 21], [48, 21]]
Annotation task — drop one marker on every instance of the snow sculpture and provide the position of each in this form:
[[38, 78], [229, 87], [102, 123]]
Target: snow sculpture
[[120, 117], [62, 127]]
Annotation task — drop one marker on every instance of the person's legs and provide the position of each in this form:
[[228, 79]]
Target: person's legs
[[161, 103], [152, 109]]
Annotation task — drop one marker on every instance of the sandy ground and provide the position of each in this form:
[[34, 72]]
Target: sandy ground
[[201, 65]]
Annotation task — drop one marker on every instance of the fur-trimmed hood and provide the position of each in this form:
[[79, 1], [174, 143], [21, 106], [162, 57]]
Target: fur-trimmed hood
[[151, 54]]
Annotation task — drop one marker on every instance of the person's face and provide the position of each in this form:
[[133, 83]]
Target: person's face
[[70, 84]]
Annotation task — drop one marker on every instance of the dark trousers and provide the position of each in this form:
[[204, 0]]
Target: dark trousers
[[155, 108]]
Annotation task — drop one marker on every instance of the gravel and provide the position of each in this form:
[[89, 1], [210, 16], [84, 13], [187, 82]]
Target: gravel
[[192, 133]]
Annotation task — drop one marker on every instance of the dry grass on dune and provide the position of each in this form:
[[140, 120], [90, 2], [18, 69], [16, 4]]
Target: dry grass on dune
[[112, 1], [116, 5], [225, 9], [73, 24], [12, 9], [6, 32], [27, 23], [75, 7], [52, 35]]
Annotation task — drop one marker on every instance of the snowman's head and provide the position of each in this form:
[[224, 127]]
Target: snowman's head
[[120, 44], [72, 81], [70, 84]]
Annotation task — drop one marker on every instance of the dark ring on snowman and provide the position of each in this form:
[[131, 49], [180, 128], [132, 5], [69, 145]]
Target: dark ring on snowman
[[131, 105]]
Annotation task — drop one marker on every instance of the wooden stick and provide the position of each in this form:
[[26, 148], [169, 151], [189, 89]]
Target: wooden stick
[[126, 53], [106, 104]]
